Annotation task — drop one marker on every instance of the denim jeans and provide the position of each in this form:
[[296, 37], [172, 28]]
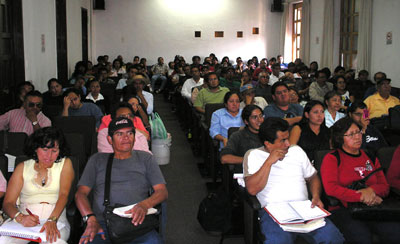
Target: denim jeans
[[357, 231], [155, 77], [151, 237], [275, 234]]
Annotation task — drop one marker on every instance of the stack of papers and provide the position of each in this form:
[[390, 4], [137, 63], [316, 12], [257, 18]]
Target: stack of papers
[[297, 216], [11, 162], [121, 211]]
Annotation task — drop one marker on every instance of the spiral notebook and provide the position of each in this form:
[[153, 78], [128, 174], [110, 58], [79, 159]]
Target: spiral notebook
[[13, 229]]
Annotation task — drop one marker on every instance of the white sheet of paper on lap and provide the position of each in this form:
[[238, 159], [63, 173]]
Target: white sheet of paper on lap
[[121, 211]]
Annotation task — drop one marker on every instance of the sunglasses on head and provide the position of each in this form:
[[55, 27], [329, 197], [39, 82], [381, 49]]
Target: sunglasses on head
[[31, 105]]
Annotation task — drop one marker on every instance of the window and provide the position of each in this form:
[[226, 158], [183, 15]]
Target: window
[[349, 33], [219, 34], [197, 34], [296, 30], [239, 34], [256, 30]]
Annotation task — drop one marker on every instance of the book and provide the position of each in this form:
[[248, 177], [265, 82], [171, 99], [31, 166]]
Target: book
[[297, 212], [304, 228], [121, 211], [13, 229]]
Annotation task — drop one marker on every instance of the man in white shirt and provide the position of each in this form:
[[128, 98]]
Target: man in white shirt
[[146, 98], [276, 73], [196, 80], [132, 71], [277, 172]]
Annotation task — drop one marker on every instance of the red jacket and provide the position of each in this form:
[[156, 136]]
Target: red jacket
[[336, 179]]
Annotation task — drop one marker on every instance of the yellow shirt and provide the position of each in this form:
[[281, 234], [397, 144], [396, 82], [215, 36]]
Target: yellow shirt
[[33, 192], [378, 106]]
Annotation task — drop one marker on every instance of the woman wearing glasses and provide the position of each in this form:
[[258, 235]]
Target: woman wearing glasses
[[355, 165], [372, 138]]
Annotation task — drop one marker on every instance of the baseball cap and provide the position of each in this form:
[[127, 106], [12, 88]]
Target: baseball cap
[[382, 80], [119, 123], [246, 87]]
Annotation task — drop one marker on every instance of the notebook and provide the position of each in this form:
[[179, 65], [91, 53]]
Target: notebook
[[13, 229], [121, 211]]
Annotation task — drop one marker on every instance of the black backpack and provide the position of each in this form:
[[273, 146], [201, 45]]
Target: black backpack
[[214, 213]]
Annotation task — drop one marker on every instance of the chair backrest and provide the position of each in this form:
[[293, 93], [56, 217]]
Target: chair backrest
[[394, 118], [319, 157], [52, 111], [76, 145], [385, 155], [4, 165], [84, 125], [12, 142], [210, 108], [232, 130]]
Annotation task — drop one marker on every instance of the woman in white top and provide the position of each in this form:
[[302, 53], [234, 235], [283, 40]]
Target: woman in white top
[[333, 104], [117, 68], [42, 185]]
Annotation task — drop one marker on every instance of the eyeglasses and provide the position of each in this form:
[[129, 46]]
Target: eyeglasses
[[354, 134], [38, 105]]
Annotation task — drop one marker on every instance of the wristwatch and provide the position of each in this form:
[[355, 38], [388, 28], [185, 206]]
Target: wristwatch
[[52, 219], [35, 123], [86, 218]]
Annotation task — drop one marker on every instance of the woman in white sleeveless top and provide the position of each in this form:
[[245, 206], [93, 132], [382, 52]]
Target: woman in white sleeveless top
[[41, 185]]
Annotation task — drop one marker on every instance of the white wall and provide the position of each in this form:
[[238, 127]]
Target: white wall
[[74, 31], [39, 19], [384, 57], [152, 28]]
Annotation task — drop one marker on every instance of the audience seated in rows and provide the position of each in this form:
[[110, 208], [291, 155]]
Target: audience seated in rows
[[281, 107], [276, 74], [95, 96], [311, 133], [73, 106], [225, 118], [117, 68], [346, 98], [159, 71], [355, 165], [263, 88], [28, 118], [196, 80]]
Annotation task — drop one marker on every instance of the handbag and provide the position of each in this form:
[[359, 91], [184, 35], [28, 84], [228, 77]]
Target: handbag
[[120, 229], [388, 210]]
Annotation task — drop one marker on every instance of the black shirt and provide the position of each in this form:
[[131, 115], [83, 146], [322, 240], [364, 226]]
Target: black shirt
[[311, 142]]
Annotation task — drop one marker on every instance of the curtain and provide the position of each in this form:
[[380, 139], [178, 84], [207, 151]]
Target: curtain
[[284, 26], [327, 35], [305, 32], [364, 35]]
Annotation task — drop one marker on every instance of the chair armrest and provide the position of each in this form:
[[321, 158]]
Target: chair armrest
[[249, 199]]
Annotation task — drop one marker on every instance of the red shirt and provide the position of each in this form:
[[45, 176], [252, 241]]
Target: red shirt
[[393, 173], [352, 167]]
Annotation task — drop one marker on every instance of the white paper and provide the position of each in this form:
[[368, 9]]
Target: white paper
[[121, 211], [304, 209], [11, 162], [304, 228]]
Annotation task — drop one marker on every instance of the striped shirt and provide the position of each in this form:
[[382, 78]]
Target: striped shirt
[[16, 121]]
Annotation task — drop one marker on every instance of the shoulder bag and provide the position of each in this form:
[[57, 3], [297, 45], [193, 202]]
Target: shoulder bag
[[121, 230]]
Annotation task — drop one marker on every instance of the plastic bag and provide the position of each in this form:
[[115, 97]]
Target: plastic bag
[[158, 130]]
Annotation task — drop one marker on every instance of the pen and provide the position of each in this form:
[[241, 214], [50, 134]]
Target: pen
[[100, 233], [30, 213]]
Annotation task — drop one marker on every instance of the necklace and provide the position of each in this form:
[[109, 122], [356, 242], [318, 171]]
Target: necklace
[[44, 181]]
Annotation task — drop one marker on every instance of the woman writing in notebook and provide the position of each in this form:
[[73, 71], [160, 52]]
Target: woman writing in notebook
[[42, 185]]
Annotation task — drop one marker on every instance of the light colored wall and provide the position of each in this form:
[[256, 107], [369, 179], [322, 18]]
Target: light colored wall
[[152, 28], [384, 57], [74, 31], [39, 19]]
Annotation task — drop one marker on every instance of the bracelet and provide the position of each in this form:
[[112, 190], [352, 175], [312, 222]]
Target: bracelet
[[15, 216]]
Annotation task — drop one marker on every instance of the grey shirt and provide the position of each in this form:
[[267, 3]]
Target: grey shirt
[[131, 179], [294, 110]]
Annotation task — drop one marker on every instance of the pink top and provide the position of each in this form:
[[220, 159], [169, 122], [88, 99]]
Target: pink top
[[16, 121], [3, 183], [137, 122]]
